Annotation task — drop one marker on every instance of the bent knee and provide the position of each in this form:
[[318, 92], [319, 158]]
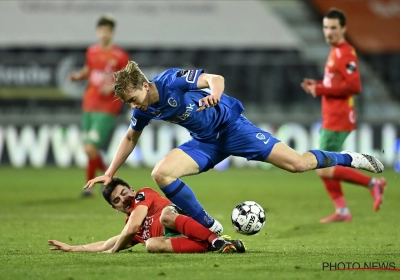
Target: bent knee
[[90, 150], [168, 216], [158, 245], [160, 175], [152, 245]]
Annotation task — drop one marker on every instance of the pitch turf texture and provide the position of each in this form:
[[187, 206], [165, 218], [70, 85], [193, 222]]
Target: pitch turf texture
[[41, 204]]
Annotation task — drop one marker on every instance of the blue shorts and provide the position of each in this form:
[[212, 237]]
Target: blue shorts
[[241, 138]]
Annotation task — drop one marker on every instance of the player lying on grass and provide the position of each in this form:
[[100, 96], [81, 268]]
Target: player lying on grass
[[153, 220]]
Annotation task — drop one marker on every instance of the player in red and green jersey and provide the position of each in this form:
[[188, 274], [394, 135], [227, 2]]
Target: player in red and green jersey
[[100, 107], [154, 221], [341, 82]]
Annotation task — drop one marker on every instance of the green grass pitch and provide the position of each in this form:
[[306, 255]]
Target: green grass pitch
[[41, 204]]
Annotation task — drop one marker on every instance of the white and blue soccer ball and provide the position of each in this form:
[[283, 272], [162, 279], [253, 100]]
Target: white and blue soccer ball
[[248, 218]]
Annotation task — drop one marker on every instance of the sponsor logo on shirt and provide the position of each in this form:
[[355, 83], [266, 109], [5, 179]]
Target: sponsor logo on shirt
[[146, 227], [112, 63], [171, 121], [187, 113], [96, 77], [328, 78]]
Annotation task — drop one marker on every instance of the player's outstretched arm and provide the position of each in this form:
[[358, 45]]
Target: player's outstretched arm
[[131, 228], [100, 246], [125, 148], [216, 83]]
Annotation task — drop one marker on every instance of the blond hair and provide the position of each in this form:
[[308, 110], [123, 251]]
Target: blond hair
[[131, 77]]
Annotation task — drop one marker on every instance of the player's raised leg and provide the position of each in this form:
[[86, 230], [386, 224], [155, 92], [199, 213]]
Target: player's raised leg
[[167, 173], [286, 158]]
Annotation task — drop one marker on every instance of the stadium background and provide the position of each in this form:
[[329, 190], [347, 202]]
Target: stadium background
[[263, 49], [263, 61]]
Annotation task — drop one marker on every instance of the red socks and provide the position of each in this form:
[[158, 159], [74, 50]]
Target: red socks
[[91, 169], [345, 174], [94, 164], [335, 192], [100, 164], [333, 187], [350, 175], [193, 230], [186, 245]]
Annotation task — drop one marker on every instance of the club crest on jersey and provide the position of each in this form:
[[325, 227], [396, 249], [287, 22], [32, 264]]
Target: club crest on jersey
[[140, 197], [172, 102], [351, 67], [260, 136]]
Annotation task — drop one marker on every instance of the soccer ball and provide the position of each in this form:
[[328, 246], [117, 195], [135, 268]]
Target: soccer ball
[[248, 218]]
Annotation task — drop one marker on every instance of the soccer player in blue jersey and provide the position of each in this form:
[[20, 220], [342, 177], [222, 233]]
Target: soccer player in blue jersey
[[195, 100]]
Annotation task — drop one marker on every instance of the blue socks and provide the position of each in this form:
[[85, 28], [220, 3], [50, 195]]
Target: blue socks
[[183, 197], [328, 159]]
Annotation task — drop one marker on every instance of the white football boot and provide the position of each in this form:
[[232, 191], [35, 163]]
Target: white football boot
[[365, 162], [217, 228]]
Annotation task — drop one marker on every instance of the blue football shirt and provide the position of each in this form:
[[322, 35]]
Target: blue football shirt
[[178, 101]]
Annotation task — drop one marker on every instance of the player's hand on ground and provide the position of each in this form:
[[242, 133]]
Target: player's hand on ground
[[59, 246], [101, 179], [208, 101]]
